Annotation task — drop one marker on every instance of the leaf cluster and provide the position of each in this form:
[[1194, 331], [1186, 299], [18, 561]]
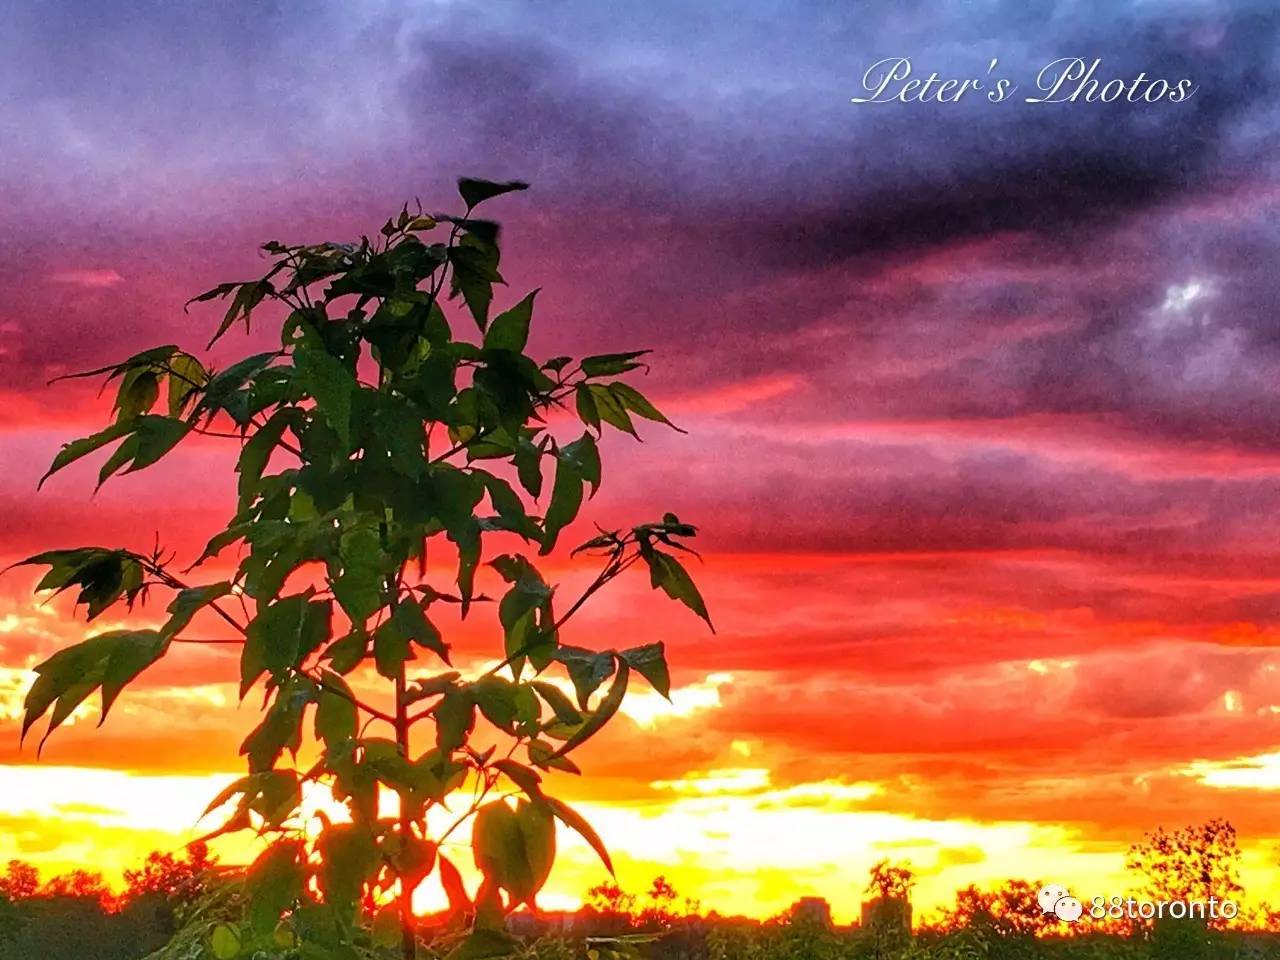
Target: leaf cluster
[[378, 434]]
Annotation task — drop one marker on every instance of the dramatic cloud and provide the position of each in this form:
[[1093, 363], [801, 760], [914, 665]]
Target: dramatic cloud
[[980, 396]]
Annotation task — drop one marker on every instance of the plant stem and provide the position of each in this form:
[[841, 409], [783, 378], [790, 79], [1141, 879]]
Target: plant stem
[[391, 597], [408, 937]]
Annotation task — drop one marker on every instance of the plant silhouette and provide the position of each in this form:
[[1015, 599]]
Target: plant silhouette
[[374, 434]]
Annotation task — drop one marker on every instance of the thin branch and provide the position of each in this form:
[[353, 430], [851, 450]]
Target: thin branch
[[423, 714], [229, 435], [169, 580], [614, 567], [470, 811], [351, 697], [599, 582], [172, 581]]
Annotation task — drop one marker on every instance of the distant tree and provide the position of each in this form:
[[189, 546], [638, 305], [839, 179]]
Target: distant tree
[[609, 898], [1008, 911], [659, 910], [891, 881], [79, 885], [1191, 864], [20, 881], [661, 891], [886, 918], [1267, 918], [170, 877], [377, 432]]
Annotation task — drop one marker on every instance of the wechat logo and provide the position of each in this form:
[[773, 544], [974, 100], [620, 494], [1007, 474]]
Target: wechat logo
[[1056, 899]]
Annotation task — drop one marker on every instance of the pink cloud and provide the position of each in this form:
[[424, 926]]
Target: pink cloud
[[94, 279]]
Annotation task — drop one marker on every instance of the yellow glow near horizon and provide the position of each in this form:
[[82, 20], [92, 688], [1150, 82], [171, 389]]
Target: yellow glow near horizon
[[1260, 772], [728, 839]]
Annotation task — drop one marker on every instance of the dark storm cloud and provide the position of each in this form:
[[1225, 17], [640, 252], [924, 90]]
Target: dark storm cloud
[[794, 174], [701, 182], [722, 181]]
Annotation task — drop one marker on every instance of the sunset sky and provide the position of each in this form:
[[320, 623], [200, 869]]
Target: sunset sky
[[983, 434]]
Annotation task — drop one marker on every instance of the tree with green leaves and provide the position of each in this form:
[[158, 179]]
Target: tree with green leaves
[[1194, 864], [377, 433]]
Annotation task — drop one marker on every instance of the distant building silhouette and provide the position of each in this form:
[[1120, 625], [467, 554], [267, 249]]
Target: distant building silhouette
[[887, 912], [812, 910], [527, 923]]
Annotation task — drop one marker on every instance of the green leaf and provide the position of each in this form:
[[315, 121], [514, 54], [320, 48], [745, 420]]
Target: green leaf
[[273, 882], [632, 399], [495, 696], [71, 452], [215, 293], [517, 613], [132, 651], [284, 935], [611, 364], [151, 438], [475, 192], [559, 703], [273, 794], [108, 660], [510, 330], [412, 621], [451, 880], [585, 455], [281, 727], [575, 821], [667, 573], [147, 359], [650, 661], [386, 926], [346, 653], [324, 377], [248, 295], [587, 669], [543, 754], [586, 406], [566, 500], [475, 271], [602, 714], [104, 576], [225, 942], [509, 506], [189, 602], [257, 451], [455, 718], [422, 688], [433, 776], [528, 459], [523, 777], [466, 537], [390, 649], [348, 859], [225, 385], [515, 848], [336, 716], [490, 912], [138, 393], [281, 636], [358, 573], [186, 377], [609, 408]]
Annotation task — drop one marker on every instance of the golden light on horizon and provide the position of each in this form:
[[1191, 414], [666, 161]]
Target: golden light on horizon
[[728, 839]]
